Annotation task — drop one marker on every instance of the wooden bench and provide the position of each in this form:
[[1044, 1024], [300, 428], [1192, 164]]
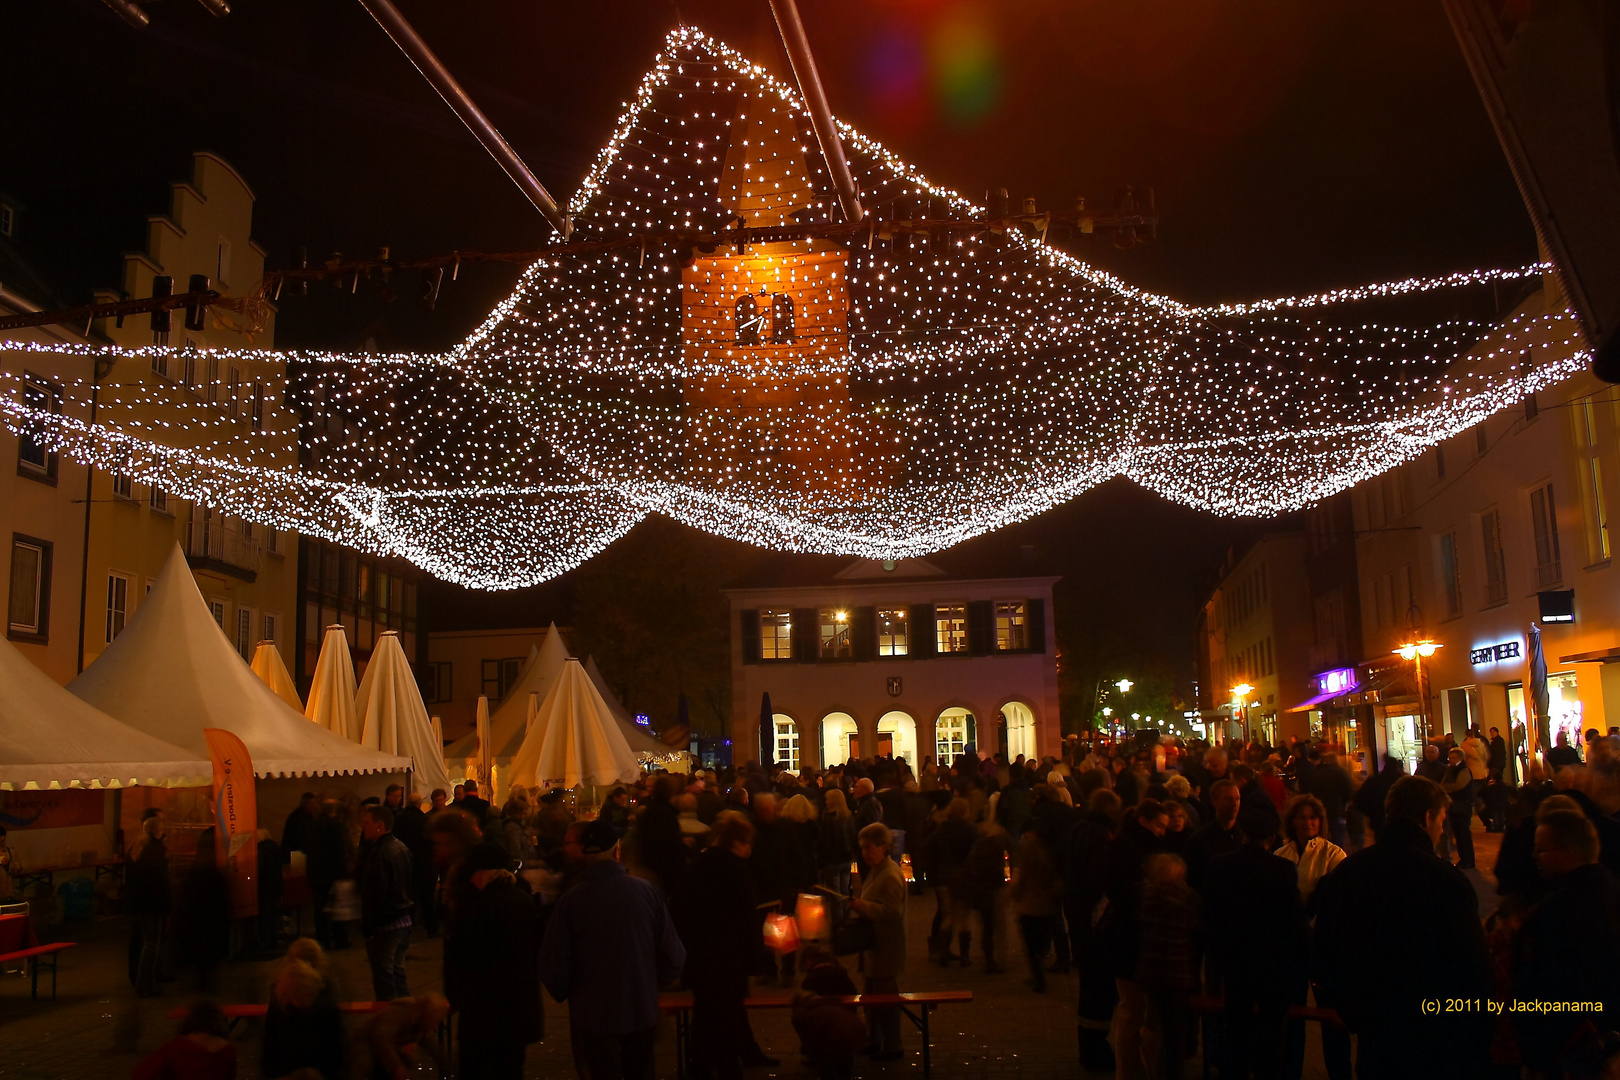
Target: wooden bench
[[680, 1005], [35, 956], [238, 1013]]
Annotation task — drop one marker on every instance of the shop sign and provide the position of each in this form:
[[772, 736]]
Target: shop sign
[[1494, 654], [1338, 681]]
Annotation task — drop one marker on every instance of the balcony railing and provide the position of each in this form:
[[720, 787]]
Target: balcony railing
[[208, 537]]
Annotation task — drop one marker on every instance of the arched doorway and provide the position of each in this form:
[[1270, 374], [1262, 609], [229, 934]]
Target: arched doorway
[[954, 731], [786, 748], [897, 734], [837, 729], [1020, 731]]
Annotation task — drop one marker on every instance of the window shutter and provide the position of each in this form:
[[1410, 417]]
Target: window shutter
[[750, 635], [863, 633], [1037, 626], [922, 635], [806, 635], [972, 732], [981, 627]]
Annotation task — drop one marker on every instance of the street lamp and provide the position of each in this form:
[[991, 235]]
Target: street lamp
[[1417, 651], [1124, 686], [1240, 695]]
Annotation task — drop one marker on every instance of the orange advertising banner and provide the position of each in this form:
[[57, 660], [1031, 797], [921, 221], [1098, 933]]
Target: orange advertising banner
[[236, 819]]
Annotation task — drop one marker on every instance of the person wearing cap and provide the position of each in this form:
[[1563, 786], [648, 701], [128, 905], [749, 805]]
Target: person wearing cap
[[491, 968], [1257, 931], [609, 946]]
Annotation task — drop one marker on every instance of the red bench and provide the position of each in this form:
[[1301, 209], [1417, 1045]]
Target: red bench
[[235, 1013], [923, 1002], [18, 942]]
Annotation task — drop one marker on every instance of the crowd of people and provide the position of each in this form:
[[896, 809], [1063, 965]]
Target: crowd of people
[[1198, 893]]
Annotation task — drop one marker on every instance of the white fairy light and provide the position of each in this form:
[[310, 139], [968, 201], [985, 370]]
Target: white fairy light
[[935, 389]]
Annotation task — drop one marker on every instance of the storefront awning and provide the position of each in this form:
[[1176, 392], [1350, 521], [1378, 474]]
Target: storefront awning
[[1602, 656], [1314, 703]]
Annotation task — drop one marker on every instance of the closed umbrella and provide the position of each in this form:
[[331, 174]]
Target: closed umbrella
[[485, 753], [331, 694], [534, 711], [268, 665], [438, 734], [394, 719], [767, 730], [575, 740], [1539, 730]]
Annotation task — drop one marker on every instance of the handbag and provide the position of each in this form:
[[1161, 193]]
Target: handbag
[[854, 936], [343, 904]]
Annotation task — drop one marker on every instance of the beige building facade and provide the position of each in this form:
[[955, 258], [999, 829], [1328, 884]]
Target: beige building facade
[[898, 658]]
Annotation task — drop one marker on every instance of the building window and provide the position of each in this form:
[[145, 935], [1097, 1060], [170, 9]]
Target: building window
[[222, 264], [212, 390], [117, 605], [233, 389], [1481, 442], [30, 600], [272, 540], [33, 459], [1591, 470], [216, 608], [950, 738], [1531, 408], [835, 634], [776, 635], [122, 487], [258, 405], [436, 682], [272, 623], [244, 632], [892, 628], [748, 319], [1490, 532], [188, 365], [782, 331], [160, 363], [1451, 574], [8, 220], [499, 676], [950, 626], [159, 499], [1544, 524], [787, 743], [1439, 463], [1012, 625]]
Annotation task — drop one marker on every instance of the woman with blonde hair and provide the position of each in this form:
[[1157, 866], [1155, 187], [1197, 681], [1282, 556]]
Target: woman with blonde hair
[[835, 849], [303, 1028]]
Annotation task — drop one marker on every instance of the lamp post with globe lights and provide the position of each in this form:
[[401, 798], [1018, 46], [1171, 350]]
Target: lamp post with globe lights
[[1417, 652], [1240, 698]]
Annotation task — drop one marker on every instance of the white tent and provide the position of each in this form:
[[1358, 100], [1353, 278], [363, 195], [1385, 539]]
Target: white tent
[[172, 672], [331, 693], [268, 665], [394, 719], [510, 720], [50, 739], [643, 743], [575, 739]]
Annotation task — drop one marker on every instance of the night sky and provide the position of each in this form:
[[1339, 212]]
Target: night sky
[[1293, 146]]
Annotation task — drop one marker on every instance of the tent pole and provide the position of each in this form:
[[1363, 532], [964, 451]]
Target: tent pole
[[815, 99]]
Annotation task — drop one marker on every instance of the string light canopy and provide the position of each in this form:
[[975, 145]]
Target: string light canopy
[[881, 398]]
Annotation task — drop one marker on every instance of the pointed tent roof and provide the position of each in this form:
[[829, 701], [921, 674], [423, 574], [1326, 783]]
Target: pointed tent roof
[[331, 693], [575, 739], [510, 720], [172, 672], [268, 665], [393, 717], [51, 739], [640, 739]]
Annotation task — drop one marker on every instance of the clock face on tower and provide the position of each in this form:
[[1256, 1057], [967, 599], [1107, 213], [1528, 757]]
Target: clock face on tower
[[764, 318]]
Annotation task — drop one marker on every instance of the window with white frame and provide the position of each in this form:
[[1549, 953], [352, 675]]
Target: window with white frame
[[271, 627], [244, 632], [258, 406], [159, 499], [893, 629], [950, 627], [212, 390], [1012, 625], [122, 486], [29, 603], [216, 608], [118, 595], [835, 638], [776, 634], [950, 738], [1490, 533], [1544, 527], [272, 540], [41, 396], [787, 743]]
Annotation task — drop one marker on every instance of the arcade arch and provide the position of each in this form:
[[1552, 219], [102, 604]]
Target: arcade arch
[[1020, 727], [837, 728], [901, 730], [785, 748]]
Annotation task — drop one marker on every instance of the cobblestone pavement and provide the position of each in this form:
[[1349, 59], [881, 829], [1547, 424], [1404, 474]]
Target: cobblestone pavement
[[97, 1028]]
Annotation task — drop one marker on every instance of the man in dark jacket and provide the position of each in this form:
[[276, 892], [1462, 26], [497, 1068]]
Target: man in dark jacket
[[1568, 949], [299, 829], [1325, 778], [1219, 837], [411, 826], [1369, 798], [385, 903], [1051, 819], [473, 804], [1397, 928], [609, 947], [1252, 897], [715, 914], [491, 970], [328, 863], [866, 809], [659, 841], [1497, 763]]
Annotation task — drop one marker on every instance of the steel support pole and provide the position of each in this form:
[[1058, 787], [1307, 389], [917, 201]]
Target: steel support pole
[[815, 99], [412, 45]]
